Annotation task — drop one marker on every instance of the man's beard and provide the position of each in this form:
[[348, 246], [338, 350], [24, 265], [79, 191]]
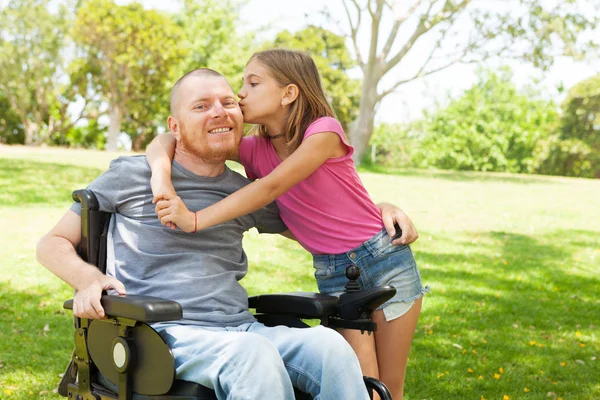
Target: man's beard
[[200, 147]]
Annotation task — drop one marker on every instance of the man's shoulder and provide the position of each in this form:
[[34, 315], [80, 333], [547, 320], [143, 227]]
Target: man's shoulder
[[132, 164], [236, 178], [138, 159]]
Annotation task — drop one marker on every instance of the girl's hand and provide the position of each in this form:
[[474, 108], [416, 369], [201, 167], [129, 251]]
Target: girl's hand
[[162, 189], [391, 215], [174, 211]]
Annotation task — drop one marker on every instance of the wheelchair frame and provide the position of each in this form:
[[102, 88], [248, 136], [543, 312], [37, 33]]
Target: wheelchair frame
[[116, 351]]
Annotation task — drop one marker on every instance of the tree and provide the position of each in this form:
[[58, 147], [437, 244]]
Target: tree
[[575, 149], [397, 145], [144, 117], [212, 39], [491, 127], [33, 79], [133, 51], [531, 30], [333, 61], [11, 128]]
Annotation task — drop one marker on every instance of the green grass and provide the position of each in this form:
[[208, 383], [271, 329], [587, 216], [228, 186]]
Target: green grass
[[513, 263]]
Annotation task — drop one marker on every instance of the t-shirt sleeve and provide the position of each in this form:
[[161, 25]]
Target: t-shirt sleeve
[[107, 188], [268, 220], [247, 146], [328, 124]]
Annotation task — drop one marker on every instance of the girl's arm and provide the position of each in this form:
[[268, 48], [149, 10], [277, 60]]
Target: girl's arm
[[312, 153], [159, 155]]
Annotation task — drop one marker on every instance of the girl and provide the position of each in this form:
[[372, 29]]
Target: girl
[[300, 158]]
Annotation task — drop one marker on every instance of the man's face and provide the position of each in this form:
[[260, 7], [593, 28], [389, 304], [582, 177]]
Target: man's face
[[208, 120]]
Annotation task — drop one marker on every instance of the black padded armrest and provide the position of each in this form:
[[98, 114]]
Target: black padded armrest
[[303, 305], [138, 308], [362, 303]]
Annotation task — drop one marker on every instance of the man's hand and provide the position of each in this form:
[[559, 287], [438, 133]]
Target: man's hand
[[86, 303], [391, 215], [174, 211]]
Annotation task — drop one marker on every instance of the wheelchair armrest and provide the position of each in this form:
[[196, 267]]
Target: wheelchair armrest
[[362, 303], [300, 304], [139, 308]]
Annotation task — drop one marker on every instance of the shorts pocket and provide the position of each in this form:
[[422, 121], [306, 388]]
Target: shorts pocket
[[322, 269], [389, 249]]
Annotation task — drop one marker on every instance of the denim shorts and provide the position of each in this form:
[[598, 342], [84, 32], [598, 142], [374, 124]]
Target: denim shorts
[[380, 263]]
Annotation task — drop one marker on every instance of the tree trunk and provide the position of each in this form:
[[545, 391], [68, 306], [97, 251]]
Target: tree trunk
[[138, 142], [362, 128], [30, 129], [114, 126]]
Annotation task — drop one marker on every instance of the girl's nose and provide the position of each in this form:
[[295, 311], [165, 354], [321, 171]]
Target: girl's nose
[[241, 93]]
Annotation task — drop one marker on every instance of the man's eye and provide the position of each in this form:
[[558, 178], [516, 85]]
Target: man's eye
[[200, 107]]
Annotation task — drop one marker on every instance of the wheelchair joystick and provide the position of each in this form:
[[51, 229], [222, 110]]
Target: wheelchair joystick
[[352, 274]]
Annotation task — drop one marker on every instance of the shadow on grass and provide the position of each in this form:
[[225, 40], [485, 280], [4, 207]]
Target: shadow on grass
[[521, 303], [29, 182], [36, 340]]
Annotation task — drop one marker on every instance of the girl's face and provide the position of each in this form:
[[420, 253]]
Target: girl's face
[[261, 96]]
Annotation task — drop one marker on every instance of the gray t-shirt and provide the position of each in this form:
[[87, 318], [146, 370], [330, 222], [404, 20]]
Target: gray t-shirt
[[200, 271]]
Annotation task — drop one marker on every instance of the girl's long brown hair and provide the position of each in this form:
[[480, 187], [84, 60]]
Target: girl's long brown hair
[[298, 68]]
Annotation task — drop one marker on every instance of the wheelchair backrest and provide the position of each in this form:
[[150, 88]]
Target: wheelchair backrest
[[94, 229]]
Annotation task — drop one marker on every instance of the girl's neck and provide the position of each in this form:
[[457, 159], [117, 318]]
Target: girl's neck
[[274, 128], [280, 148]]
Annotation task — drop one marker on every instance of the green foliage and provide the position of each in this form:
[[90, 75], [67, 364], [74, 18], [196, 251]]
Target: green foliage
[[544, 30], [495, 127], [333, 61], [212, 38], [395, 145], [90, 136], [492, 127], [575, 150], [32, 79], [133, 52], [11, 129]]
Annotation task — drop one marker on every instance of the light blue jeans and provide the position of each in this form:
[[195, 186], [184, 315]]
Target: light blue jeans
[[252, 361]]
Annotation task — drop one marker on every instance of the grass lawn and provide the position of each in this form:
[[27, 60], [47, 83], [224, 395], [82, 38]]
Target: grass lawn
[[513, 263]]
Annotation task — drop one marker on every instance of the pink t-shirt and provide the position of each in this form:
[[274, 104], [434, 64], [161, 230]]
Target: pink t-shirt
[[330, 212]]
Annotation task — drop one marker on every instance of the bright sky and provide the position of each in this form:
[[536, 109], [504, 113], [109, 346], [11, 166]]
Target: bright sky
[[271, 16]]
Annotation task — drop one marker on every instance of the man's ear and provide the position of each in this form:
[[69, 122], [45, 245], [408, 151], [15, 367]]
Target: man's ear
[[173, 125], [290, 95]]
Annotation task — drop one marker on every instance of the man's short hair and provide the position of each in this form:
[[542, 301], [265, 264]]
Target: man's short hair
[[196, 72]]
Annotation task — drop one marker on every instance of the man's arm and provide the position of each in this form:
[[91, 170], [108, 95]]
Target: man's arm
[[57, 251]]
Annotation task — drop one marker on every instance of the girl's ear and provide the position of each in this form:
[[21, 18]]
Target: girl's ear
[[290, 95]]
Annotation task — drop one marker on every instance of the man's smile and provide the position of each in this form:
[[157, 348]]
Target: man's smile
[[220, 130]]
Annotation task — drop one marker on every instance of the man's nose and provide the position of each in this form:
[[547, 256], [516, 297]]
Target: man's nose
[[218, 110]]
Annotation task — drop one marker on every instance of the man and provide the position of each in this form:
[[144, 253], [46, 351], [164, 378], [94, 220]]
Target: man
[[218, 343]]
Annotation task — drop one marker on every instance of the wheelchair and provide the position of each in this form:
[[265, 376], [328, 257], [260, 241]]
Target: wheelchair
[[122, 357]]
